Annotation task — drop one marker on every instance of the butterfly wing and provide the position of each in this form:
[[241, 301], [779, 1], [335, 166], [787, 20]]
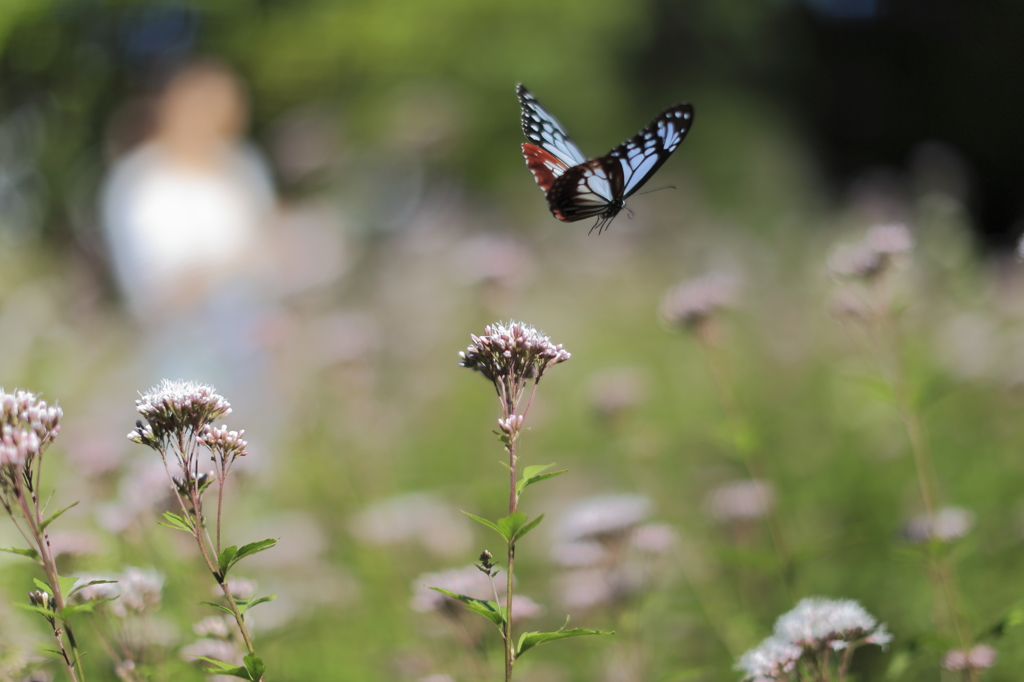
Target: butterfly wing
[[642, 155], [590, 189], [545, 132], [550, 151], [599, 187]]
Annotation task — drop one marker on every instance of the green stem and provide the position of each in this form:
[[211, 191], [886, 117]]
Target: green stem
[[34, 518], [738, 425], [887, 342], [513, 503], [509, 653]]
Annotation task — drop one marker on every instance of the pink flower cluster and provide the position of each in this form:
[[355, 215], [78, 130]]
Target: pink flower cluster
[[27, 426]]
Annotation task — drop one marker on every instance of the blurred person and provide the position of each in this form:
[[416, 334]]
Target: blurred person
[[184, 211], [186, 217]]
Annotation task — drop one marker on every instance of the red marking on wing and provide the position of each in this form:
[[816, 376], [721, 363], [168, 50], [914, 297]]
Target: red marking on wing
[[546, 167], [557, 212]]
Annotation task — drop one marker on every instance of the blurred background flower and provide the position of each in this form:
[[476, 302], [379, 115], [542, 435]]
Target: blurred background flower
[[307, 204]]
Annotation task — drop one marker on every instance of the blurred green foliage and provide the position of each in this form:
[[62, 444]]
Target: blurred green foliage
[[402, 417]]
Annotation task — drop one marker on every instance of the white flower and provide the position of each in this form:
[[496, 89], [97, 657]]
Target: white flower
[[512, 352], [601, 516], [741, 500], [816, 622], [947, 524], [770, 659], [178, 406], [980, 657], [690, 303], [890, 239]]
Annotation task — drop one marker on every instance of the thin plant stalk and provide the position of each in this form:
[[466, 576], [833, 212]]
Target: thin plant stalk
[[179, 419], [734, 414], [510, 356], [29, 426], [886, 341], [205, 544]]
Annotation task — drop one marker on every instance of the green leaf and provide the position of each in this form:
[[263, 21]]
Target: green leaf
[[223, 668], [255, 666], [255, 602], [53, 518], [175, 522], [30, 553], [527, 528], [531, 639], [42, 586], [218, 606], [77, 588], [488, 609], [509, 525], [1015, 617], [232, 555], [252, 548], [224, 560], [490, 524], [67, 583], [532, 474], [535, 469], [37, 609], [80, 608], [525, 482]]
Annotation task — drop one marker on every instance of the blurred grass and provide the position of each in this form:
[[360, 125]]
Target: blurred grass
[[403, 417], [832, 444]]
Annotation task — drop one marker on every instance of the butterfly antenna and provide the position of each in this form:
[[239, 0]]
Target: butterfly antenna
[[656, 190]]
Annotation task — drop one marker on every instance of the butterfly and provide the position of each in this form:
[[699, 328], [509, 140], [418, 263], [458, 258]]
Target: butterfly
[[577, 188]]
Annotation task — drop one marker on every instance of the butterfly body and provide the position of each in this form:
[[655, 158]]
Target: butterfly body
[[577, 188]]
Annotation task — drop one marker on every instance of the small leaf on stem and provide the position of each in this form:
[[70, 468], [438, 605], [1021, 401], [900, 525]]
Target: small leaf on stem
[[488, 609], [53, 518], [67, 583], [223, 668], [218, 606], [526, 481], [527, 528], [255, 602], [255, 666], [176, 522], [490, 524], [509, 525], [30, 553], [528, 640]]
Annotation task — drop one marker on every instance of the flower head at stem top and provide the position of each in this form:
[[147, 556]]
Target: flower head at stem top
[[173, 409], [693, 304], [878, 252], [27, 426], [509, 355], [814, 633], [178, 415]]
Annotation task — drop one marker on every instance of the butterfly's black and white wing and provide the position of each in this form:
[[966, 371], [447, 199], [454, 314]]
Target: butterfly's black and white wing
[[543, 130], [550, 151], [642, 155], [599, 187]]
